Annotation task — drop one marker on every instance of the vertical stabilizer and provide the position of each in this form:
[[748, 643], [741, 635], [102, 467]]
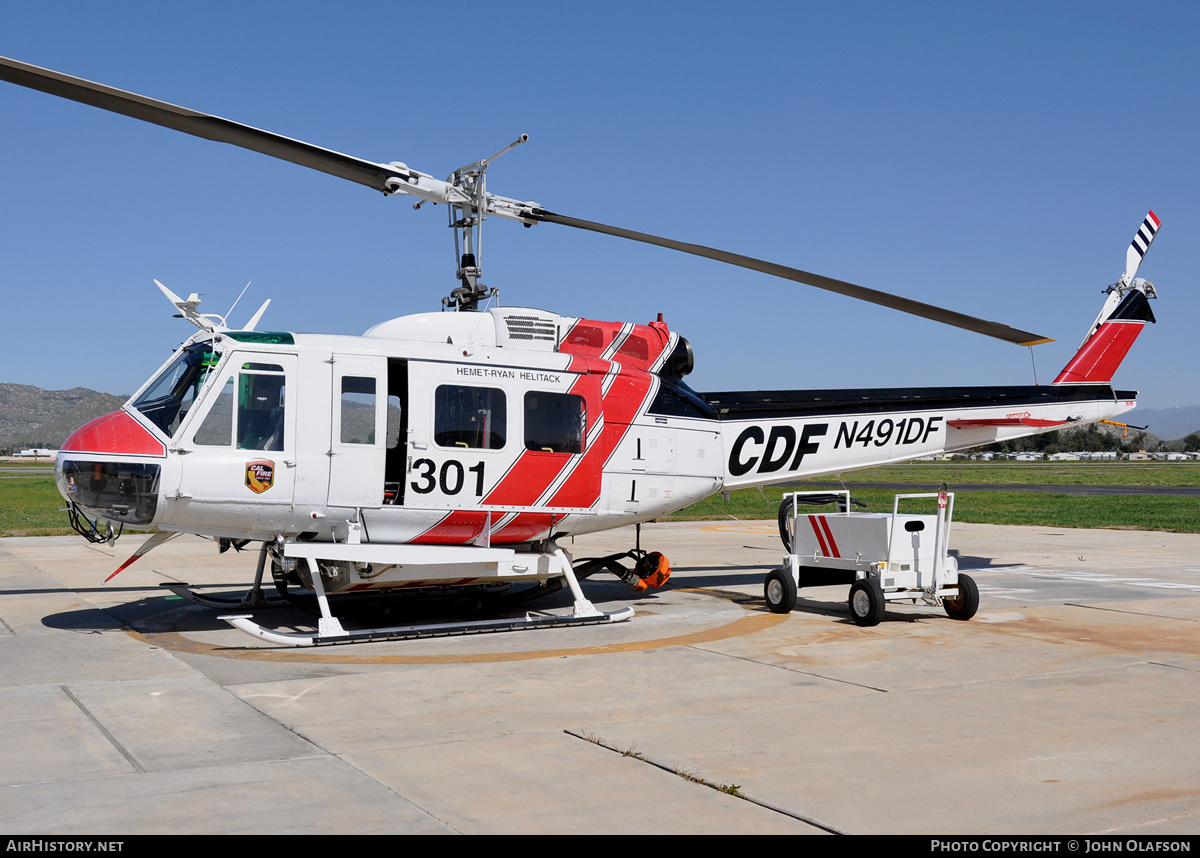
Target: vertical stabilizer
[[1098, 358]]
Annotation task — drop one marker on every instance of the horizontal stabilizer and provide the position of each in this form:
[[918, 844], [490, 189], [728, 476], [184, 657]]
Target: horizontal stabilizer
[[1032, 422]]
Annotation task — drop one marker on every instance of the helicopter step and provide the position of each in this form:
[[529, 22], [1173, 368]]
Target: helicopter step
[[355, 567]]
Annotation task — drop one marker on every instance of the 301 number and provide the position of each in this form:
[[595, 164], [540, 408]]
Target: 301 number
[[450, 478]]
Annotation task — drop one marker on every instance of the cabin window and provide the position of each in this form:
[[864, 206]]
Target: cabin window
[[358, 410], [555, 422], [472, 417]]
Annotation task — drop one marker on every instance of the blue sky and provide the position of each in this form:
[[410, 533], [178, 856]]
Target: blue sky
[[993, 158]]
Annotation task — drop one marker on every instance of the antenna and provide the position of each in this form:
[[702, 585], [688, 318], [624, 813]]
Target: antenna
[[229, 312]]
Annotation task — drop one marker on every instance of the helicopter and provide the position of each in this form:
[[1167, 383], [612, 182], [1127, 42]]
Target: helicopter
[[452, 452]]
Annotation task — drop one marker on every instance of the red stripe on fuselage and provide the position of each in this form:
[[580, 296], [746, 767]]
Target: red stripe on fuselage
[[625, 399], [527, 479], [456, 528], [641, 349], [526, 527], [534, 472], [621, 405]]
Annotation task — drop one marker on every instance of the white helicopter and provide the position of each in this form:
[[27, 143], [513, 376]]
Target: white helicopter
[[451, 452]]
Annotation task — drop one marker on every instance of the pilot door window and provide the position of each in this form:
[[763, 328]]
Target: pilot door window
[[251, 408], [470, 417], [217, 428], [555, 422]]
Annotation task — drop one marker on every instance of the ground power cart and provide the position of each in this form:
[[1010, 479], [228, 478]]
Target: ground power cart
[[885, 557]]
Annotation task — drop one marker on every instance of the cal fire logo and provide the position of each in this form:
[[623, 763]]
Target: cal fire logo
[[260, 475]]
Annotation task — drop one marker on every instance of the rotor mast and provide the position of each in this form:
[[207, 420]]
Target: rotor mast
[[466, 219]]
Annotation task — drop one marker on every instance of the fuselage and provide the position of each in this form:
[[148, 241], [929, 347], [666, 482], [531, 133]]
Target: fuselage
[[502, 427]]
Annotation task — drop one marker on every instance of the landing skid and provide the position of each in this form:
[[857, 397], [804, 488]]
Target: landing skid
[[329, 627], [337, 635]]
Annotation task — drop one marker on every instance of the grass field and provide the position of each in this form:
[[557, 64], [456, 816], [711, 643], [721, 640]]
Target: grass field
[[1131, 512], [1034, 473], [1127, 512], [30, 504]]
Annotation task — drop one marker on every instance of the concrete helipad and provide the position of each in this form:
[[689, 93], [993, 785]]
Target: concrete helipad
[[1068, 705]]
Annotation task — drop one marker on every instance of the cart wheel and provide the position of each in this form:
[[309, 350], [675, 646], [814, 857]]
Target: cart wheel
[[866, 602], [964, 606], [780, 591]]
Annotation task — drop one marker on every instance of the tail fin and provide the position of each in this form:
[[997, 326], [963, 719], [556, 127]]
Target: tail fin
[[1121, 319]]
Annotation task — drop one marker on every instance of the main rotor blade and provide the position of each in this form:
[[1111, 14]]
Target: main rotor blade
[[873, 296], [391, 179], [200, 124]]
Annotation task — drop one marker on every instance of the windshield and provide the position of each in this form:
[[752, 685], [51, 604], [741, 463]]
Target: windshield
[[171, 395]]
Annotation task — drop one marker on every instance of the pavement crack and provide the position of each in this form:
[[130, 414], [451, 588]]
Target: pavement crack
[[113, 739], [1171, 666], [733, 790], [788, 669], [1134, 613], [844, 681]]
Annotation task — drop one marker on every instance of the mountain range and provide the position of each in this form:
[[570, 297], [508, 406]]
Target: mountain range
[[33, 417], [1174, 422]]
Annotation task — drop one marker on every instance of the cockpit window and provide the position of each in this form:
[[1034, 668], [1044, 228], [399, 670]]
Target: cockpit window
[[167, 400]]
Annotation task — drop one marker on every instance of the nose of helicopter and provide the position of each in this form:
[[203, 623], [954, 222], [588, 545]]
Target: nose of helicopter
[[110, 469]]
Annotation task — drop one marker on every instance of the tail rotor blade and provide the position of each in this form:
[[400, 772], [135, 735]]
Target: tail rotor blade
[[1142, 240]]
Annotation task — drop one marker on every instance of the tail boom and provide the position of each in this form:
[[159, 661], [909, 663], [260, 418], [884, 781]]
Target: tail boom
[[778, 436]]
